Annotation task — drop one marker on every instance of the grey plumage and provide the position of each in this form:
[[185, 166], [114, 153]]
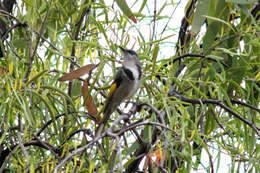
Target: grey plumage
[[127, 82]]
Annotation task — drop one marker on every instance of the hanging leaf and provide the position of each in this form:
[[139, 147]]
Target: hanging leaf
[[126, 10], [34, 78], [76, 88], [202, 9], [257, 77], [77, 73], [90, 105], [241, 1]]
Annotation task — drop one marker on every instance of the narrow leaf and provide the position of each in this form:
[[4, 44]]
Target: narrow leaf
[[77, 73], [36, 77], [126, 10], [241, 1], [90, 105], [220, 20], [202, 9], [155, 54], [257, 77], [142, 6]]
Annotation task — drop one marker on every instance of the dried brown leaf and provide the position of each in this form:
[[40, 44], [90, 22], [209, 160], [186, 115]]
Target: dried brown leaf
[[90, 105], [77, 73], [133, 19]]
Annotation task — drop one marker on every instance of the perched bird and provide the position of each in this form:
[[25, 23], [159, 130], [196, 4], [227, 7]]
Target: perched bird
[[125, 85]]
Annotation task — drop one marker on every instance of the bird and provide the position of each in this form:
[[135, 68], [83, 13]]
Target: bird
[[126, 83]]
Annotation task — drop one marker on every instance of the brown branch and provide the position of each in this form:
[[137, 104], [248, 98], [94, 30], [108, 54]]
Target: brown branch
[[113, 156], [255, 11], [48, 147], [9, 15], [133, 126], [219, 124], [189, 55], [224, 40], [245, 104], [10, 151], [18, 24], [56, 117], [183, 35], [21, 145], [219, 103], [4, 154], [196, 56], [154, 24], [29, 43], [76, 152], [211, 164], [87, 131], [76, 37]]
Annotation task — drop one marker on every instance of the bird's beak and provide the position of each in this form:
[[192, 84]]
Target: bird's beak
[[123, 49]]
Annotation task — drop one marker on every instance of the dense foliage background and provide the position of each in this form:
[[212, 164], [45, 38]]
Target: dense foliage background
[[198, 103]]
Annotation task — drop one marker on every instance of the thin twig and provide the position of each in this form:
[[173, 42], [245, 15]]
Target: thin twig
[[41, 32], [219, 103], [11, 28], [113, 156], [48, 146], [130, 127], [23, 148], [245, 104], [31, 58], [10, 15], [154, 23], [56, 117], [86, 131], [7, 159], [220, 125], [70, 58], [196, 56], [76, 152]]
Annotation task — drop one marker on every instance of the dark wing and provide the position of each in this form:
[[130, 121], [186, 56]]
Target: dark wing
[[109, 108]]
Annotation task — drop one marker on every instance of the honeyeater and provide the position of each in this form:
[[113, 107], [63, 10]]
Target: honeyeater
[[124, 86]]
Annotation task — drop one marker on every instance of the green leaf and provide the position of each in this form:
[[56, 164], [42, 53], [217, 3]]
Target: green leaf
[[45, 101], [36, 77], [126, 10], [20, 43], [155, 54], [61, 93], [142, 6], [209, 37], [129, 161], [101, 29], [148, 134], [222, 21], [241, 1], [247, 11], [199, 16], [76, 88]]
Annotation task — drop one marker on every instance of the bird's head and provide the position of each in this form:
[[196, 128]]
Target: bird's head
[[130, 57]]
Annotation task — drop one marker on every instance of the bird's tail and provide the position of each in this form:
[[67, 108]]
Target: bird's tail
[[108, 110]]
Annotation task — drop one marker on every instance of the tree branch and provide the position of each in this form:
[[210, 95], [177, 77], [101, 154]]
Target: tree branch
[[219, 103], [196, 56]]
